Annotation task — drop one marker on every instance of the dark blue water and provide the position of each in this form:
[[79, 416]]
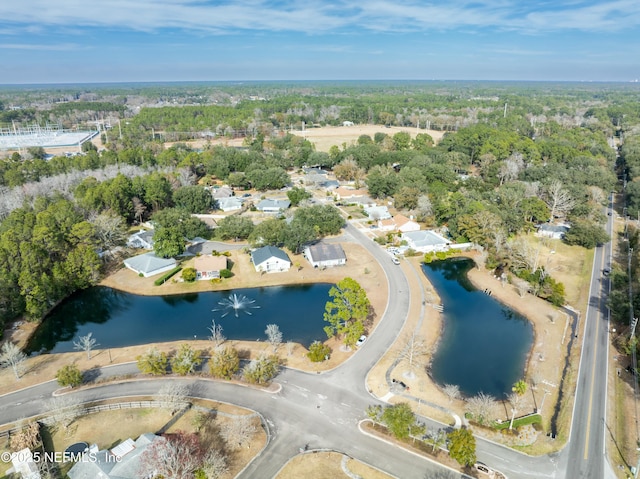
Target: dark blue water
[[119, 319], [484, 345]]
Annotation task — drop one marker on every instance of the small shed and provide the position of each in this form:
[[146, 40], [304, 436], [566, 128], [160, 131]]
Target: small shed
[[143, 239]]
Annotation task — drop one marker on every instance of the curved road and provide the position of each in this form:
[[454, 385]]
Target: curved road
[[322, 411]]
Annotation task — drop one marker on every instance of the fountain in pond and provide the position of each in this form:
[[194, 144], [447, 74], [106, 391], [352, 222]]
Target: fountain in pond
[[236, 303]]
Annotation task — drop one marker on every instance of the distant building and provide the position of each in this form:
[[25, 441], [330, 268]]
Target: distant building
[[209, 266], [325, 255], [343, 193], [347, 123], [148, 264], [273, 206], [270, 259], [143, 239], [426, 241], [121, 462], [552, 231]]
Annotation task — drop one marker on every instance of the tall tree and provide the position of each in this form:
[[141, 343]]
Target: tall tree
[[175, 456], [347, 311], [462, 446]]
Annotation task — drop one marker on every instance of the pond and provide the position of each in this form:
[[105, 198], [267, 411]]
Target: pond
[[484, 345], [119, 319]]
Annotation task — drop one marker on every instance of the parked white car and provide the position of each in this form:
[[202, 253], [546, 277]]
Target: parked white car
[[361, 340]]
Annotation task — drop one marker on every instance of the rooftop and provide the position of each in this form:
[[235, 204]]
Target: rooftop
[[261, 255]]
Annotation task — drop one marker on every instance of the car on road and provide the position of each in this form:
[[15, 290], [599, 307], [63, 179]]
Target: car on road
[[486, 471], [395, 260], [361, 340], [606, 271]]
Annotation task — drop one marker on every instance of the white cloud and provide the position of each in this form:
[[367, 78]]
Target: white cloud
[[41, 47], [323, 16]]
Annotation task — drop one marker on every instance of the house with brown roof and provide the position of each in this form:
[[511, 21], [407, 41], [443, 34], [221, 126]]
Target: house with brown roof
[[399, 223], [209, 266]]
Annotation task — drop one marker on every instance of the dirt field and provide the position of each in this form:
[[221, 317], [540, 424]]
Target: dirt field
[[327, 136]]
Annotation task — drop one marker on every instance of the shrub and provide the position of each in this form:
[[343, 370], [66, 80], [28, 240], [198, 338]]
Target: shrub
[[161, 280], [189, 275], [225, 273], [69, 375], [318, 352]]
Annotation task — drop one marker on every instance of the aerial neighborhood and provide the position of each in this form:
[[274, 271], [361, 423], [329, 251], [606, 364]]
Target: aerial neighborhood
[[272, 280]]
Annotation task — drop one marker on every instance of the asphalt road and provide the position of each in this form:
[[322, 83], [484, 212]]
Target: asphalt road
[[585, 458], [323, 410]]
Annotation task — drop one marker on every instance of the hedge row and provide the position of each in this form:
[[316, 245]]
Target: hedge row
[[166, 276]]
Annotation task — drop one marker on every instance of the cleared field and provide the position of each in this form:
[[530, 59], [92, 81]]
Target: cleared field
[[325, 137]]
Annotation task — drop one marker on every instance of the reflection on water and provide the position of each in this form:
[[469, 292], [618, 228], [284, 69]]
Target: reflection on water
[[484, 345], [119, 319]]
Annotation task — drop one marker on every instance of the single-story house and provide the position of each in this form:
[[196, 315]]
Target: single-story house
[[329, 184], [377, 212], [222, 192], [552, 231], [324, 255], [343, 193], [315, 171], [143, 239], [121, 462], [148, 264], [208, 220], [273, 206], [270, 259], [426, 241], [363, 201], [232, 203], [209, 266], [404, 224]]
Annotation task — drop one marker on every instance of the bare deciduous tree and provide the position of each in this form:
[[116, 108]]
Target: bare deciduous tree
[[522, 287], [216, 333], [524, 255], [424, 208], [173, 396], [415, 353], [64, 410], [12, 355], [452, 391], [511, 167], [139, 209], [274, 336], [515, 400], [290, 347], [28, 436], [173, 455], [110, 228], [558, 199], [85, 343], [214, 464], [480, 407], [238, 432]]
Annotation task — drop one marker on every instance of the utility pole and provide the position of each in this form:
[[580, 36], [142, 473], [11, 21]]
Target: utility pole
[[505, 110]]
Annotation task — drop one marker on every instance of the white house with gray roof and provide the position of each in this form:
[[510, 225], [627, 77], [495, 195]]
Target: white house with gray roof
[[270, 259], [273, 206], [143, 239], [121, 462], [426, 241], [148, 264], [325, 255], [552, 231], [232, 203]]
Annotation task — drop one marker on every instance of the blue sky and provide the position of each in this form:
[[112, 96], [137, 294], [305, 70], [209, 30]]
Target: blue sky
[[70, 41]]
